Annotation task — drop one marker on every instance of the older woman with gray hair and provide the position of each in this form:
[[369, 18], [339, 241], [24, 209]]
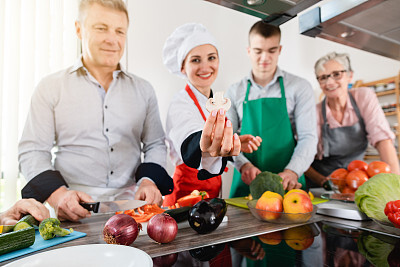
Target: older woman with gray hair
[[347, 121]]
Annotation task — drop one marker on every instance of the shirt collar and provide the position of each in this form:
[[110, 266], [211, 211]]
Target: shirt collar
[[278, 73], [79, 65]]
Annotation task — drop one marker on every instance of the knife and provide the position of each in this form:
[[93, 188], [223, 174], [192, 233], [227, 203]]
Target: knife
[[112, 206]]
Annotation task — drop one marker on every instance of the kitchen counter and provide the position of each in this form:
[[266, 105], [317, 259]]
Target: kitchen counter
[[241, 224]]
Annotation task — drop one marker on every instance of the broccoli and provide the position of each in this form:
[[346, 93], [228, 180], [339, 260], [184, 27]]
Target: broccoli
[[50, 228], [266, 181]]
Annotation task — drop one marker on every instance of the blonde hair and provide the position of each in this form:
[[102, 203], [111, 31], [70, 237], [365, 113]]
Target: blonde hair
[[113, 4], [342, 59]]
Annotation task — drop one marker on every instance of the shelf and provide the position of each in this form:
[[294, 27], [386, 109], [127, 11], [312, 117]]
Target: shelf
[[371, 157], [391, 113], [388, 92]]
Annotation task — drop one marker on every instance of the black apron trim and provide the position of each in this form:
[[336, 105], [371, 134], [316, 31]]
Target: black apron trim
[[43, 185], [190, 150], [204, 175], [159, 176], [191, 155]]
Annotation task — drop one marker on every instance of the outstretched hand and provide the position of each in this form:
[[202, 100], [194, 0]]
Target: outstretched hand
[[249, 143], [217, 137]]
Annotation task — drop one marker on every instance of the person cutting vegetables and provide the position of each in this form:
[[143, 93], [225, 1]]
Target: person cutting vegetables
[[277, 106], [200, 140], [23, 207], [347, 121]]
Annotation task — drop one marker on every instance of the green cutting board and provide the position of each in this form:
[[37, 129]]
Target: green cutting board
[[242, 201]]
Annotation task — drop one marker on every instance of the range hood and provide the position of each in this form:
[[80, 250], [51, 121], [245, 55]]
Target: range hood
[[272, 11], [370, 25], [373, 25]]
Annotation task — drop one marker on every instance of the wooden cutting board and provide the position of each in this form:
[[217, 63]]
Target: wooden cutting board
[[242, 201]]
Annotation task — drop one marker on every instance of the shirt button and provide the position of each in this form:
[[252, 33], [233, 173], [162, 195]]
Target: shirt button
[[106, 106], [112, 149], [99, 86], [106, 129], [111, 172]]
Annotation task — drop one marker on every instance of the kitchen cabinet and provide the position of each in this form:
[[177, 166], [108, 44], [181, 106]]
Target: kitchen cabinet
[[388, 92]]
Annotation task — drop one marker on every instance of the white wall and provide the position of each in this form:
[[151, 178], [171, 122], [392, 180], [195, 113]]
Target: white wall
[[153, 21]]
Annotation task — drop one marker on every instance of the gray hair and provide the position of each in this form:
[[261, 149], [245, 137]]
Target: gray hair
[[340, 58], [118, 5]]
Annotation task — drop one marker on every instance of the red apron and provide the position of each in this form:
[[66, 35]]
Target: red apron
[[185, 178]]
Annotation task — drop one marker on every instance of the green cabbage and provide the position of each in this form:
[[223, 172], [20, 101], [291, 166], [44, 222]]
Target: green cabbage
[[372, 196], [266, 181], [375, 250]]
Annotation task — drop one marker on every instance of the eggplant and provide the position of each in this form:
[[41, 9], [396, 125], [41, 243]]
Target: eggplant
[[207, 253], [206, 215]]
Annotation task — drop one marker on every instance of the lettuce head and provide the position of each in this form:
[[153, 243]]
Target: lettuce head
[[371, 197]]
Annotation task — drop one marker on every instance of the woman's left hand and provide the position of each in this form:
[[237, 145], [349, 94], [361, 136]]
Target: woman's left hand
[[217, 137]]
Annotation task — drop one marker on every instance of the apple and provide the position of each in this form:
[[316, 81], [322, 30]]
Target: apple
[[273, 238], [297, 203], [269, 206], [301, 191], [299, 238], [270, 194]]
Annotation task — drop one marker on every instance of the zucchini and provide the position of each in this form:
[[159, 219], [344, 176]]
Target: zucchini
[[29, 219], [179, 214], [17, 240]]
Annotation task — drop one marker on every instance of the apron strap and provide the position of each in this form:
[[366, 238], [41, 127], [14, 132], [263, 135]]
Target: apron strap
[[193, 97], [281, 85]]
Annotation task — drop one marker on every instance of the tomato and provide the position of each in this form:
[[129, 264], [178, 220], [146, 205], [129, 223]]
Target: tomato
[[356, 178], [347, 190], [338, 177], [357, 165], [376, 167]]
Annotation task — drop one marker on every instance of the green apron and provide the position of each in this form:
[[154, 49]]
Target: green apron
[[269, 119]]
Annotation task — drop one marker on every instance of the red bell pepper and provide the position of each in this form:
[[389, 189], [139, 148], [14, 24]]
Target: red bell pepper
[[392, 211], [193, 198]]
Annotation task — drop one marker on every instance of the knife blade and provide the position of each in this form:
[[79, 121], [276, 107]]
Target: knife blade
[[112, 206], [6, 228]]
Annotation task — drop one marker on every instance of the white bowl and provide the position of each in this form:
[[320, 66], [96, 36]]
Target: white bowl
[[99, 255]]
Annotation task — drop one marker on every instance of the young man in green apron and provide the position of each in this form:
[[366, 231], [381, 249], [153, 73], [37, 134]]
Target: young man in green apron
[[277, 106]]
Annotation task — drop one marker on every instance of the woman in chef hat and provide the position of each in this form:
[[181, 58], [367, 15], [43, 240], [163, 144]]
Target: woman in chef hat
[[200, 141]]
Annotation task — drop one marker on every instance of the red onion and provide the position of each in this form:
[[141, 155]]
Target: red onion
[[162, 228], [121, 229], [166, 260]]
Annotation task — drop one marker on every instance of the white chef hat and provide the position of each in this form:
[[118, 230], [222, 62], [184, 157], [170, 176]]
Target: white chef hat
[[181, 41]]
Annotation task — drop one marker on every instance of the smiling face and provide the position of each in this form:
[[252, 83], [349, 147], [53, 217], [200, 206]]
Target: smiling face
[[201, 67], [264, 54], [332, 88], [103, 36]]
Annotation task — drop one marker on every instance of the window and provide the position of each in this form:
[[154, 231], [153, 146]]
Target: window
[[37, 37]]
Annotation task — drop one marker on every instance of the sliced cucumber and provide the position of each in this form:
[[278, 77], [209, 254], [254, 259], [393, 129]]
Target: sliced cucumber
[[21, 225], [30, 220], [17, 240]]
